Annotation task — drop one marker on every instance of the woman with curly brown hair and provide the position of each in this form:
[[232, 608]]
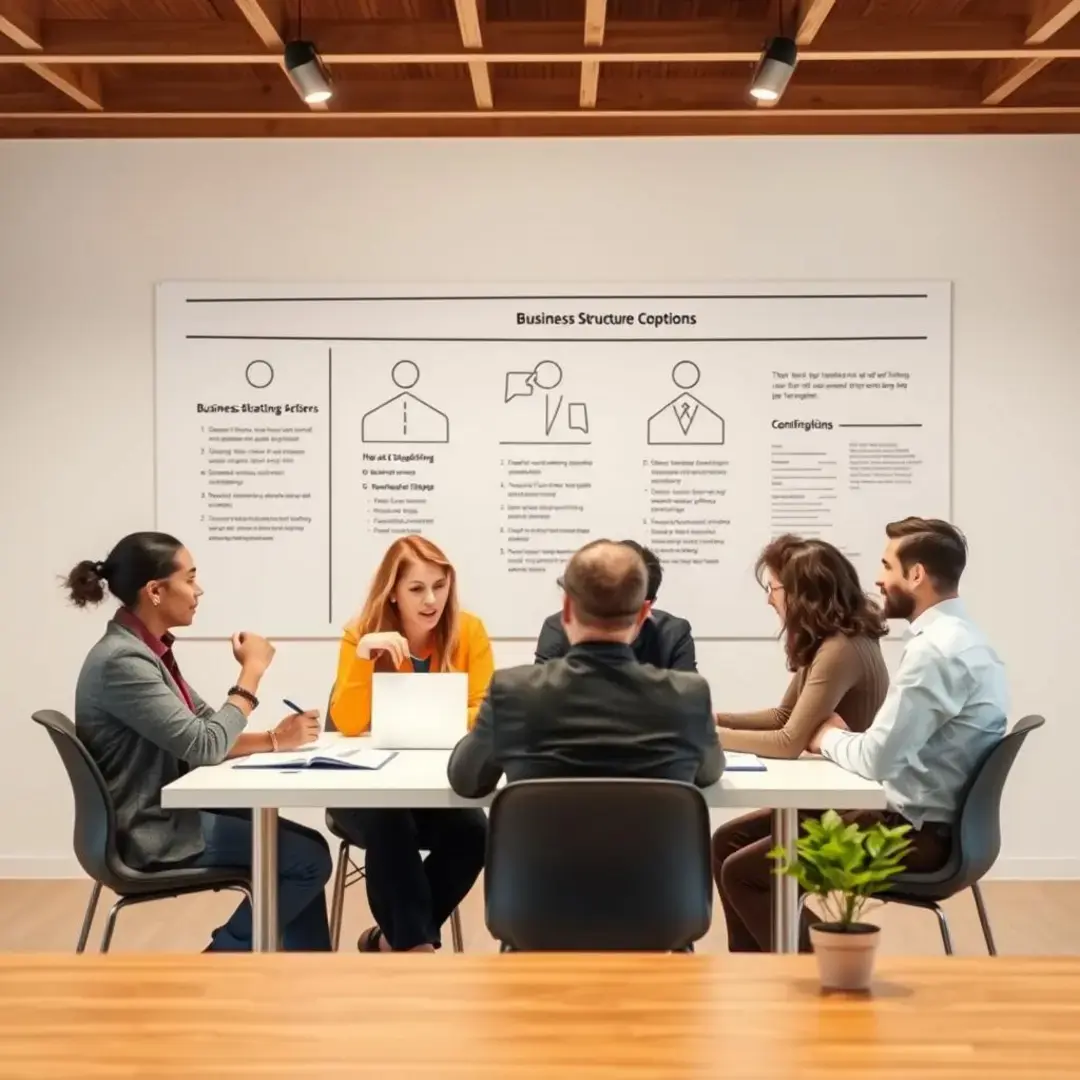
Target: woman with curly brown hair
[[831, 632]]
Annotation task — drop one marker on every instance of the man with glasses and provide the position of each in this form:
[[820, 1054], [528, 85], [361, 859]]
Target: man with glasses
[[664, 640], [597, 711]]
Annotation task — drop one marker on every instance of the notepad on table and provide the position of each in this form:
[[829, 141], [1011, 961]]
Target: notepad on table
[[736, 762], [335, 756]]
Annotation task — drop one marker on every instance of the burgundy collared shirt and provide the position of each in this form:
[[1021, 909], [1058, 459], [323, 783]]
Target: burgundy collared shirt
[[161, 647]]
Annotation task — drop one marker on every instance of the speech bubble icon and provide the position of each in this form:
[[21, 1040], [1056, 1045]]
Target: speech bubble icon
[[519, 384], [578, 417]]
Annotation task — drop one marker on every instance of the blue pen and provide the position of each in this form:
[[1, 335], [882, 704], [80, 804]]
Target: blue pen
[[295, 708]]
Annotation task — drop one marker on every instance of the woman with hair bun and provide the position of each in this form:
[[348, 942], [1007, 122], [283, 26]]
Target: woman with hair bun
[[145, 726]]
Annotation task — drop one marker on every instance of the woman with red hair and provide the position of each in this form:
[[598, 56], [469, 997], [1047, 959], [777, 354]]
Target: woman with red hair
[[411, 622]]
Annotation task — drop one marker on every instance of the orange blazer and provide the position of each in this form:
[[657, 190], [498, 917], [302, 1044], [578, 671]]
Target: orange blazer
[[350, 703]]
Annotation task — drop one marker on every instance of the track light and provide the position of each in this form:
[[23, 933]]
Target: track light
[[774, 70], [307, 72]]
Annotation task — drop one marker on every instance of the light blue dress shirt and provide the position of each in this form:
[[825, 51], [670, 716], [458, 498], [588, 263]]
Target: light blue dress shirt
[[945, 709]]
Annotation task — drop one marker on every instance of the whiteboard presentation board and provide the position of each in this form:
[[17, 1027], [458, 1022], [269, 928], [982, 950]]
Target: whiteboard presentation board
[[301, 428]]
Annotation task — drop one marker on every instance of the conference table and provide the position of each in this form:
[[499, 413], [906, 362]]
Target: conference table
[[533, 1016], [416, 780]]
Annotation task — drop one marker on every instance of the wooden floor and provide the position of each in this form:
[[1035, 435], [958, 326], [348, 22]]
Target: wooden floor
[[1028, 918]]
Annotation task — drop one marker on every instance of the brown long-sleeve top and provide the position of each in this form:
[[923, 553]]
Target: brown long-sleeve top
[[847, 676]]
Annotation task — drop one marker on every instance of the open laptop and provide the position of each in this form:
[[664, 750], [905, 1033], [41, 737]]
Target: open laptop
[[418, 711]]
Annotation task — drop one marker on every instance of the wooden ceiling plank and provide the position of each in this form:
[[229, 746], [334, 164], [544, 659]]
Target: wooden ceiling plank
[[595, 25], [812, 16], [81, 84], [1004, 78], [974, 111], [19, 22], [1050, 16], [267, 19], [468, 17]]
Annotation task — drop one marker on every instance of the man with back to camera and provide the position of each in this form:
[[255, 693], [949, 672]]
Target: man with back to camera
[[597, 711], [665, 640], [947, 704]]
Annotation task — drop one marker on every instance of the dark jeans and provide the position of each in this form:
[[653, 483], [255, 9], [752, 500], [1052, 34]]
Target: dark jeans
[[304, 868], [411, 897], [744, 873]]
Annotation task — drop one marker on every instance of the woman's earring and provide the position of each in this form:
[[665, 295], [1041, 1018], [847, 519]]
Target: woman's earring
[[156, 600]]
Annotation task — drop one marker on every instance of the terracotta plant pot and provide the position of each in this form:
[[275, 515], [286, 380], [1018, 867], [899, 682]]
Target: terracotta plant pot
[[845, 957]]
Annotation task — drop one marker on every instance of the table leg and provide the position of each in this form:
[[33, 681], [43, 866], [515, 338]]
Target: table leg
[[264, 874], [785, 889]]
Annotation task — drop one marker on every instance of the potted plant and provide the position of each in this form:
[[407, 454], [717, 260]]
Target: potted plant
[[844, 865]]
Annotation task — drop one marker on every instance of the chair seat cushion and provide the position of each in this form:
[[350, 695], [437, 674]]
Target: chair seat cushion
[[179, 880]]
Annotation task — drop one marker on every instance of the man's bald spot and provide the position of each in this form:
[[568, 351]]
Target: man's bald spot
[[607, 583]]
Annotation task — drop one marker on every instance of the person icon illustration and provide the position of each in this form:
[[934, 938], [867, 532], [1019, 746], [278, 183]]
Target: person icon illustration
[[686, 420], [405, 418]]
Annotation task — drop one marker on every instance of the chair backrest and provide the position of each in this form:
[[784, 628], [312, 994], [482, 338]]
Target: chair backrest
[[980, 813], [94, 837], [592, 865]]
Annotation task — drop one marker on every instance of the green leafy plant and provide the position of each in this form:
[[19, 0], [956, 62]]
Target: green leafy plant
[[844, 864]]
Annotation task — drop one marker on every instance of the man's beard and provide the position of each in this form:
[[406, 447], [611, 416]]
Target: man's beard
[[898, 604]]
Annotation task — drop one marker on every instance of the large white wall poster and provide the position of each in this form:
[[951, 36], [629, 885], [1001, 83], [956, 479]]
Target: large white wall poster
[[301, 428]]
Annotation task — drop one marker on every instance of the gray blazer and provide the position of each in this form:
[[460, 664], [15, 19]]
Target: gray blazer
[[131, 717]]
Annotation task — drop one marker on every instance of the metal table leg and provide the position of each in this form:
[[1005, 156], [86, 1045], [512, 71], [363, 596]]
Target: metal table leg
[[785, 889], [264, 874]]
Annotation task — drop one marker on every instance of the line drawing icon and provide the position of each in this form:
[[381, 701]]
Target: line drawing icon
[[405, 418], [259, 374], [547, 375], [686, 420]]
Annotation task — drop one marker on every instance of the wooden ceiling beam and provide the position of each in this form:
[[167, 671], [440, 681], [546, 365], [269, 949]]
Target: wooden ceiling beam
[[697, 40], [468, 17], [81, 84], [811, 17], [1004, 78], [595, 24], [1048, 17], [20, 23], [267, 19]]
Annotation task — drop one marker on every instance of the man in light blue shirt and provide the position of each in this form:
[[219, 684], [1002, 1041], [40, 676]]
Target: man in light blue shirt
[[947, 705]]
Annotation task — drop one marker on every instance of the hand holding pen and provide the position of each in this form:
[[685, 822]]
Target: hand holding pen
[[297, 730]]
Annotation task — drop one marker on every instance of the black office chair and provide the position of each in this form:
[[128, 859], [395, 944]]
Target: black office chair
[[976, 841], [592, 865], [348, 872], [95, 841]]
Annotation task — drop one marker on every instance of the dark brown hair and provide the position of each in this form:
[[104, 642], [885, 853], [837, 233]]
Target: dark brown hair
[[136, 560], [607, 583], [939, 546], [822, 596]]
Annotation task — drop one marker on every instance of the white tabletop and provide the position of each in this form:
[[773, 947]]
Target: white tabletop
[[416, 779]]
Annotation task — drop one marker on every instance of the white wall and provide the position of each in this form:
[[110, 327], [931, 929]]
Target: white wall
[[87, 228]]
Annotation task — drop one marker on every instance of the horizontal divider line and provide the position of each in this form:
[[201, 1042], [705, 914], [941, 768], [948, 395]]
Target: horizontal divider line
[[553, 341], [536, 296]]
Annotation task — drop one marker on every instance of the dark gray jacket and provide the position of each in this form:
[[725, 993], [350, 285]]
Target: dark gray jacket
[[131, 717], [596, 712]]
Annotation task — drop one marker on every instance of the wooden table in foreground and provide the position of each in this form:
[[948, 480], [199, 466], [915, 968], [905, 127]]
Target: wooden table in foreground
[[531, 1017]]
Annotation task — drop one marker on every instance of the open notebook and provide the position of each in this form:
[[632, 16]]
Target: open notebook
[[336, 755]]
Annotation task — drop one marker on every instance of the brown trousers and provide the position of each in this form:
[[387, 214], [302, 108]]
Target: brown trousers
[[744, 873]]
